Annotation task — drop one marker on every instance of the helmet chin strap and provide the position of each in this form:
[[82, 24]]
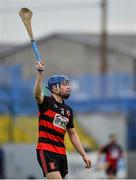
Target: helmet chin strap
[[58, 91], [58, 88]]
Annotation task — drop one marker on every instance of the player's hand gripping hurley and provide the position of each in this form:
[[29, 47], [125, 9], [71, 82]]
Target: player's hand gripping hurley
[[26, 16]]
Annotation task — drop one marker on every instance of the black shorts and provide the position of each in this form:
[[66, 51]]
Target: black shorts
[[51, 162], [111, 170]]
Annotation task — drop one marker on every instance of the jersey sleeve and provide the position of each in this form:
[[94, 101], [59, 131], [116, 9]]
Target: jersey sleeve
[[70, 123], [44, 106], [104, 149]]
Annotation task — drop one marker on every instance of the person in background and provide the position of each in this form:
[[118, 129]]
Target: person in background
[[113, 152], [1, 163], [55, 119]]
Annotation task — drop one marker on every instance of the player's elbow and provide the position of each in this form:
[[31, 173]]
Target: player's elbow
[[38, 98], [71, 132]]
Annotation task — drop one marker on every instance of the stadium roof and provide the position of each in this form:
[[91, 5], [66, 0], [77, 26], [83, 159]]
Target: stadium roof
[[120, 43]]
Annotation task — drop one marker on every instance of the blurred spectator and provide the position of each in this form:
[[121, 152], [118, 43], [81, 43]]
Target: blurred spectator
[[113, 152], [1, 163]]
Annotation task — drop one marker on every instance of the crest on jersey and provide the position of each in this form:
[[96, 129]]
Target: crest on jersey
[[60, 121], [62, 111], [52, 165], [68, 113], [55, 106]]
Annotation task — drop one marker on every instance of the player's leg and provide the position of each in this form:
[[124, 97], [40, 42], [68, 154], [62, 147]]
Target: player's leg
[[111, 176], [63, 166], [111, 172], [48, 162], [54, 175]]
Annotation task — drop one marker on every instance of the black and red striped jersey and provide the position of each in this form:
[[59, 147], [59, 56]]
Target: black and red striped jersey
[[113, 152], [54, 119]]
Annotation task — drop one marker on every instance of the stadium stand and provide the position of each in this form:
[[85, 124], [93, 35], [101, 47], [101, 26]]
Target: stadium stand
[[109, 93]]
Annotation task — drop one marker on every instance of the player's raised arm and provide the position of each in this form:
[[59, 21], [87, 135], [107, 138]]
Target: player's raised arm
[[38, 94]]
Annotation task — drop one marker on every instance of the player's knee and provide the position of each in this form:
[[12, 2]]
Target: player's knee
[[54, 175]]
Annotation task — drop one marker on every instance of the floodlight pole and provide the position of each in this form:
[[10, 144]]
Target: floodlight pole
[[103, 45]]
